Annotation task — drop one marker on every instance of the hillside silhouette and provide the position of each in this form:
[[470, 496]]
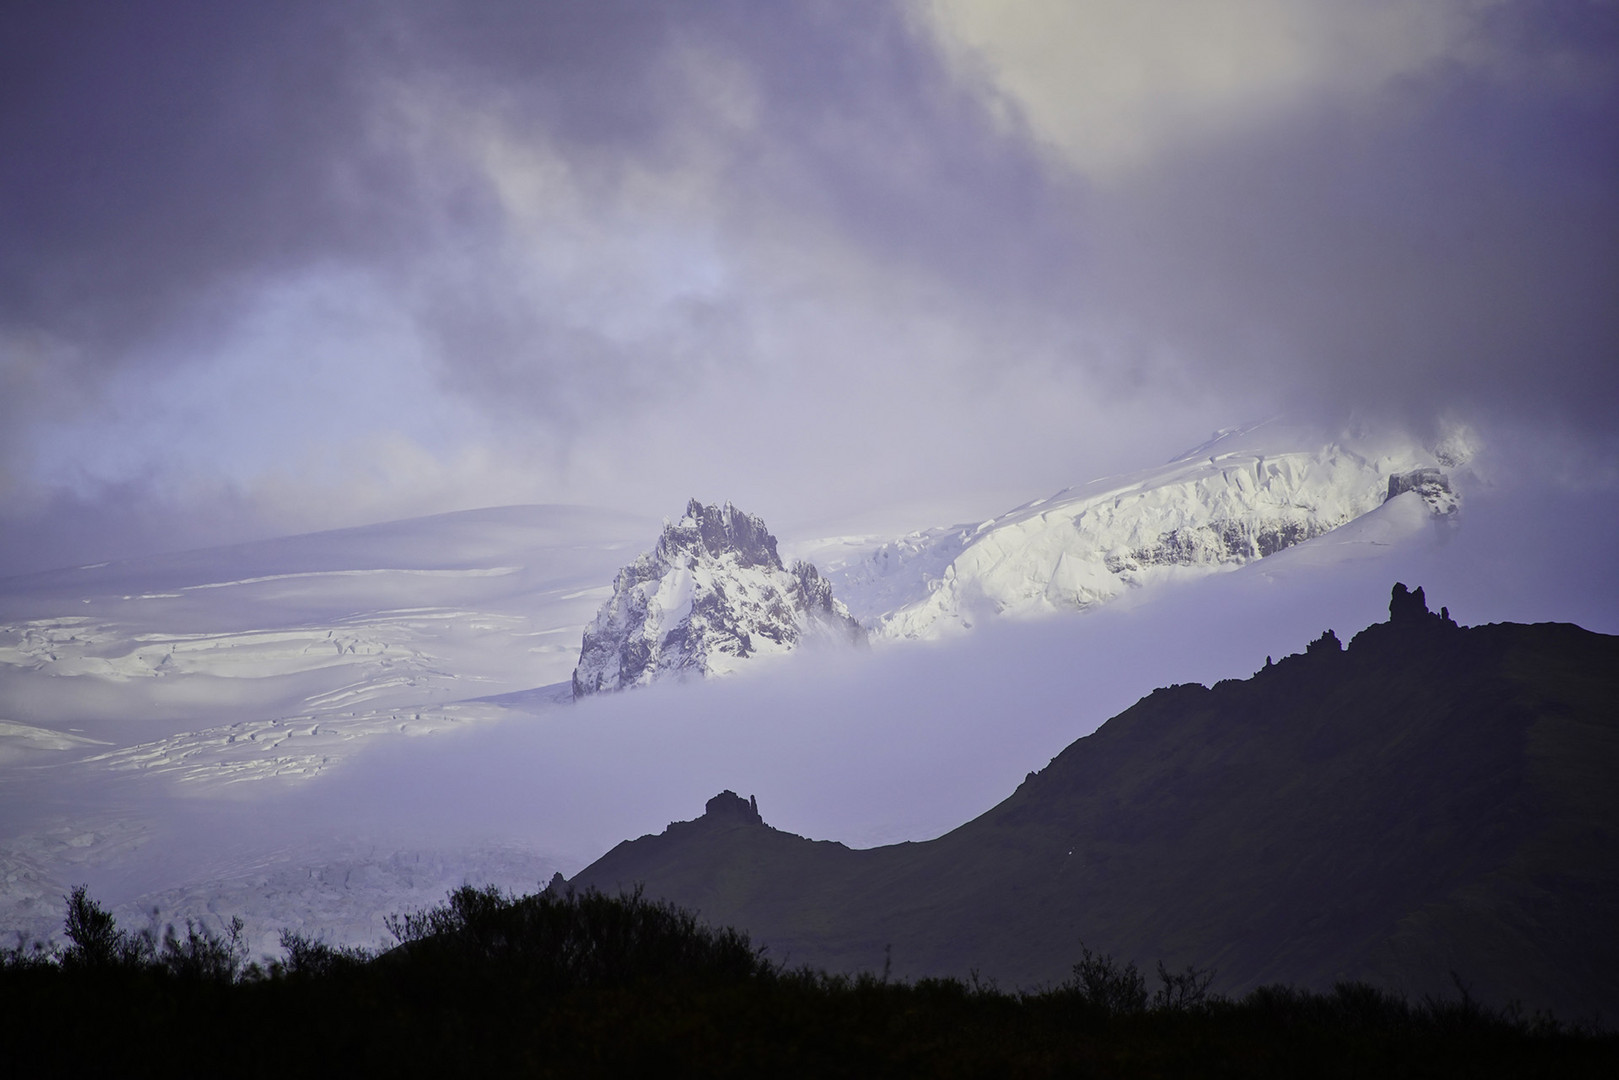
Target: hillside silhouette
[[1432, 799]]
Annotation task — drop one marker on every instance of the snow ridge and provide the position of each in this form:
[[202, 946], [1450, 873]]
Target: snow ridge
[[1203, 511], [710, 594]]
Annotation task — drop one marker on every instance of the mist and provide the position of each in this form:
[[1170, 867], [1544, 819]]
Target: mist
[[882, 745]]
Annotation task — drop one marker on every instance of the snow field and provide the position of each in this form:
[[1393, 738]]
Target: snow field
[[228, 732]]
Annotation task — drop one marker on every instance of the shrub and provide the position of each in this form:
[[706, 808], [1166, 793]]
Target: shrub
[[204, 955], [1182, 991], [25, 955], [1120, 989], [1104, 985], [314, 957], [96, 942], [573, 940]]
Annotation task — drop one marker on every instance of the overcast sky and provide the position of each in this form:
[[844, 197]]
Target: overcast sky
[[273, 267]]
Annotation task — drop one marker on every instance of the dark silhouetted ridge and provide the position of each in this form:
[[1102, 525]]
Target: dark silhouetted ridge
[[1431, 798]]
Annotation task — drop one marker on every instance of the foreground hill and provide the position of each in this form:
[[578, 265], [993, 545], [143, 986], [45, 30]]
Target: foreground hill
[[1433, 799]]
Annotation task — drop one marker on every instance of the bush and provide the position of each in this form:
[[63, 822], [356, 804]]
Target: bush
[[25, 955], [203, 955], [573, 940], [1112, 989], [1105, 986], [96, 942], [314, 957], [1182, 991], [587, 984]]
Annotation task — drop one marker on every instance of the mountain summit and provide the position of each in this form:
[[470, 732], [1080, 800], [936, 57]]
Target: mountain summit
[[710, 594]]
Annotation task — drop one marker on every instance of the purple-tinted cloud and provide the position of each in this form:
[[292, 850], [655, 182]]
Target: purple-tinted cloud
[[605, 223], [1457, 246], [157, 152]]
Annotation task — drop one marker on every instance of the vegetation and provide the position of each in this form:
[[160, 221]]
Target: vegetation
[[586, 984]]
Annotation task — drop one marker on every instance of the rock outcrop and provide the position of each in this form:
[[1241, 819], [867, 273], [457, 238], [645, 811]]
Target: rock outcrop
[[1432, 484], [712, 593], [729, 806], [1327, 643], [1408, 608]]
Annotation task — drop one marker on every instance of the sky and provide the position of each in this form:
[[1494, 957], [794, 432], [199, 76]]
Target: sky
[[270, 268]]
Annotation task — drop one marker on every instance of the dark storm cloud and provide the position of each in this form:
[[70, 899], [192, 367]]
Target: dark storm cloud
[[157, 151], [163, 160], [856, 133], [869, 129], [810, 193], [1451, 243], [173, 169]]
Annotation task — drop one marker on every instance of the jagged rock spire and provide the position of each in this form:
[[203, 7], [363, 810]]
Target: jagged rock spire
[[1409, 607], [715, 531], [1406, 605], [730, 806], [710, 593]]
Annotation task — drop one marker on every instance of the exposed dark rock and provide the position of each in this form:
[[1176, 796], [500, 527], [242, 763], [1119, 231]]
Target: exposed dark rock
[[715, 531], [1416, 480], [711, 591], [1406, 605], [1432, 484], [1327, 643], [729, 806], [1217, 542], [1408, 609]]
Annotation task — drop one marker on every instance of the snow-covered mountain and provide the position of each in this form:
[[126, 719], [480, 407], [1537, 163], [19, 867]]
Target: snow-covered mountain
[[1236, 498], [712, 593], [272, 725]]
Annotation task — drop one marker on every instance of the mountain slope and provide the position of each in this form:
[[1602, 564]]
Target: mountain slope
[[1244, 495], [1434, 798]]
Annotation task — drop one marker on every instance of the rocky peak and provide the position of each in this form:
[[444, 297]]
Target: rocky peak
[[1428, 482], [730, 807], [711, 592], [1409, 608], [812, 591], [1327, 643], [716, 531]]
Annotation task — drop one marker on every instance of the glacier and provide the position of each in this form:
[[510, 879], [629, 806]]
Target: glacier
[[1218, 506]]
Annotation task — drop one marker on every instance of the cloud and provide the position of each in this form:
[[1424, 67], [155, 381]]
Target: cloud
[[896, 245], [160, 153], [1456, 248], [1398, 209], [1113, 86]]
